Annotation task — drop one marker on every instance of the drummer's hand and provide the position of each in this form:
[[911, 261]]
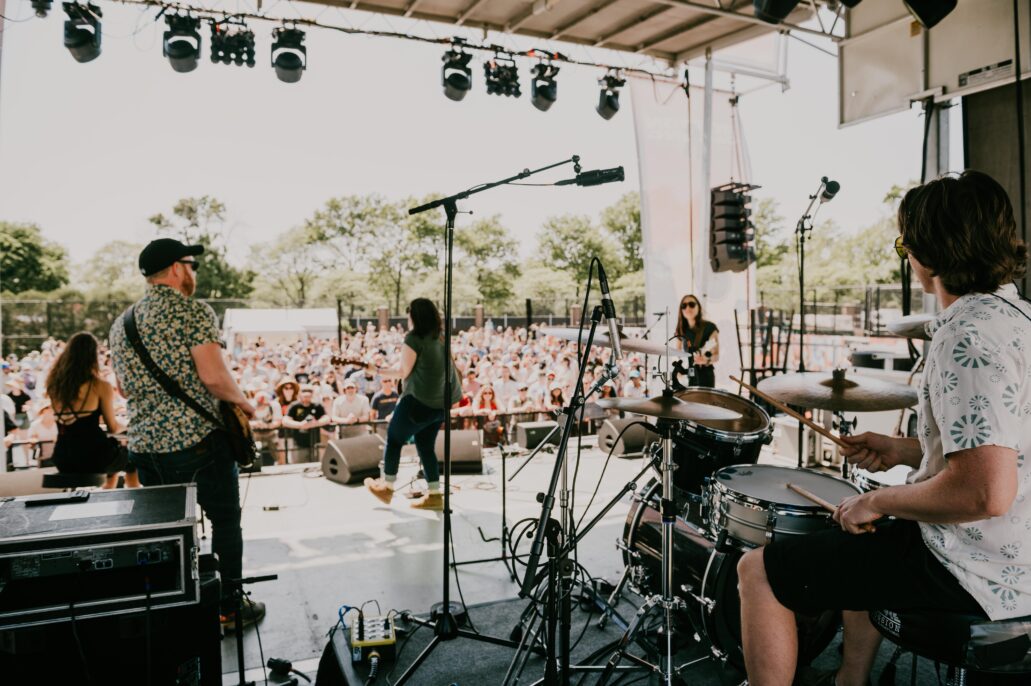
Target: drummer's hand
[[870, 451], [856, 514]]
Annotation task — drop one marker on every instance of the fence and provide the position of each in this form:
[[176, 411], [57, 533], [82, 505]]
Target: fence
[[844, 310]]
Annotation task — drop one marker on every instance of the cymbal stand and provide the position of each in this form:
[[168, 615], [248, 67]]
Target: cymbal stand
[[666, 603], [844, 427]]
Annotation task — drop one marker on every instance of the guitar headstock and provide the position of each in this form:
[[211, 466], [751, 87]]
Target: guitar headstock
[[340, 360]]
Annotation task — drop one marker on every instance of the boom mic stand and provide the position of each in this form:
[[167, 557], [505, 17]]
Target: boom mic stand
[[445, 627]]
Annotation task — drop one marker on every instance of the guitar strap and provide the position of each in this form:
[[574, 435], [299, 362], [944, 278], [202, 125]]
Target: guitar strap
[[170, 385]]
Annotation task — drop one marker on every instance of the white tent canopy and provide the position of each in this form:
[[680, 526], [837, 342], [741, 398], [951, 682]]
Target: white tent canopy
[[274, 324]]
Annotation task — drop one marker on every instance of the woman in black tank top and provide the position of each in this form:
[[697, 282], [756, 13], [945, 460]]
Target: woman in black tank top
[[701, 337], [80, 399]]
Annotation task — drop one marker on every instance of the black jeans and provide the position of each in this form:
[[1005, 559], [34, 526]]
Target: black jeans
[[413, 418], [210, 465]]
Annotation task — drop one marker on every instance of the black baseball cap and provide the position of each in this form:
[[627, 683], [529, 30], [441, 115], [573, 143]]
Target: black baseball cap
[[163, 253]]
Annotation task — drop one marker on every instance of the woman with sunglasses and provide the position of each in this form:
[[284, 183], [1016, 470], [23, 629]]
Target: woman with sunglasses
[[697, 335]]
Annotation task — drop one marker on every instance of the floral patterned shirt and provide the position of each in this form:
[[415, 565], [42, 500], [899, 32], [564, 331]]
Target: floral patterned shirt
[[169, 324], [976, 391]]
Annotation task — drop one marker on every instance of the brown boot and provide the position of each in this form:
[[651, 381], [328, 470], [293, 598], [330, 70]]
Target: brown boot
[[433, 500], [381, 489]]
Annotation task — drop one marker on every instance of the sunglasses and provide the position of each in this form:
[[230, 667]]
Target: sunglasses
[[900, 249], [194, 265], [688, 305]]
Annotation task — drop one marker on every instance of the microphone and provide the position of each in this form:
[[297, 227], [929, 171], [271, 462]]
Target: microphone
[[830, 189], [609, 309], [594, 178]]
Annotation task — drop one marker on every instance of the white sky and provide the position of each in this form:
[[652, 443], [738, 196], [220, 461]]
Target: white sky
[[89, 151]]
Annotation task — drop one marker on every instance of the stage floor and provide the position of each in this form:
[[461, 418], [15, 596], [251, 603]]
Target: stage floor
[[334, 545]]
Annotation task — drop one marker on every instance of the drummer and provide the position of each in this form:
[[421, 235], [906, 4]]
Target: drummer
[[959, 540], [697, 335]]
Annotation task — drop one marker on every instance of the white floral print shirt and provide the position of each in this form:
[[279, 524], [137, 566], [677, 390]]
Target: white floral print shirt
[[976, 391]]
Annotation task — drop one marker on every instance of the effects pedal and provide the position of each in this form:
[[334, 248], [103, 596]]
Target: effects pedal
[[370, 635]]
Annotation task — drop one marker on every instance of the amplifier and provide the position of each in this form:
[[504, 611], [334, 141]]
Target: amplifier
[[95, 553]]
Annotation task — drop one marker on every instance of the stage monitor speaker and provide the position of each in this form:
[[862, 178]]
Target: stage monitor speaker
[[349, 460], [531, 434], [633, 442], [466, 451]]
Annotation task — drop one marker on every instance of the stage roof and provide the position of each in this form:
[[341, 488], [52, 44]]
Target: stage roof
[[671, 30]]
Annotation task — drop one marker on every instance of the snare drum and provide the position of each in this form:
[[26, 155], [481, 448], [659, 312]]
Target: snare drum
[[700, 448], [871, 481], [754, 506]]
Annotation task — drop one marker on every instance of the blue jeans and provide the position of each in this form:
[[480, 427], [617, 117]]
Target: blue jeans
[[413, 418], [210, 465]]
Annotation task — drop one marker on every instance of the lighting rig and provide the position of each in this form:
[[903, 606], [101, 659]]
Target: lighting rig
[[42, 7], [502, 75], [82, 30], [543, 88], [232, 42], [455, 75], [608, 98], [927, 12], [289, 55], [181, 43]]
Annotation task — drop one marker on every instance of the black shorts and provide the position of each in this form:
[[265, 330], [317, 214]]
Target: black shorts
[[890, 569]]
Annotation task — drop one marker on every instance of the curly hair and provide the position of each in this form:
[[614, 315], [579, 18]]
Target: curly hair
[[76, 366], [961, 228]]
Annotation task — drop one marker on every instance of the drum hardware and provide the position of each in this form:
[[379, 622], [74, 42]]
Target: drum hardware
[[844, 428]]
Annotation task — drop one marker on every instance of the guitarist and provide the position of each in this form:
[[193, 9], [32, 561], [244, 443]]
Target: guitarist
[[170, 442]]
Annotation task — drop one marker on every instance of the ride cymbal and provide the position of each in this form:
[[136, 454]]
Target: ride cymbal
[[628, 343], [837, 392], [668, 406], [911, 326]]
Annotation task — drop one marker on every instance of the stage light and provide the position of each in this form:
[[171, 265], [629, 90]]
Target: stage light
[[232, 43], [181, 44], [42, 7], [289, 56], [850, 3], [501, 75], [455, 75], [731, 232], [608, 98], [929, 12], [773, 11], [543, 89], [82, 31]]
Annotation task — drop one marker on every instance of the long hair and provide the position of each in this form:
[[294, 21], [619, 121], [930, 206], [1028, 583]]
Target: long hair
[[683, 329], [76, 366], [426, 322]]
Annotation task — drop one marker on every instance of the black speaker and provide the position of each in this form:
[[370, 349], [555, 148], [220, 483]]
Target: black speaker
[[633, 442], [349, 460], [466, 451], [531, 434], [185, 647]]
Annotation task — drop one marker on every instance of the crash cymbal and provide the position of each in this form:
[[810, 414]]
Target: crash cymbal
[[668, 406], [838, 392], [628, 343], [911, 326]]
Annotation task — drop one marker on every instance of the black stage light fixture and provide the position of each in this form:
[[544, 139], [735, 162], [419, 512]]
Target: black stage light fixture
[[82, 30], [289, 56], [850, 3], [42, 7], [543, 89], [608, 98], [232, 43], [455, 75], [181, 44], [501, 75], [929, 12], [773, 11]]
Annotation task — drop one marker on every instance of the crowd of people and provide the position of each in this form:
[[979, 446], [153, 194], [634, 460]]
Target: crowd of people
[[308, 391]]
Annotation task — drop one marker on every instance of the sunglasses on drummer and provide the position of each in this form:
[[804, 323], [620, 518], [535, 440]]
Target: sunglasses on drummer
[[900, 248]]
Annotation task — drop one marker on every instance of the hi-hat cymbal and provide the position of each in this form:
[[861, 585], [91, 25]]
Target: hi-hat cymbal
[[668, 406], [911, 326], [838, 392], [628, 343]]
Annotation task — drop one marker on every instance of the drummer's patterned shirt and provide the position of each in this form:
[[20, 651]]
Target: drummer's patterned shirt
[[170, 324], [976, 391]]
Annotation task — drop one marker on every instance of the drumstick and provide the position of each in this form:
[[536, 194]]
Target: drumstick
[[787, 410], [808, 495]]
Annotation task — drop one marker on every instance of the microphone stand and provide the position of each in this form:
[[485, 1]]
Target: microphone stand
[[446, 627], [803, 227]]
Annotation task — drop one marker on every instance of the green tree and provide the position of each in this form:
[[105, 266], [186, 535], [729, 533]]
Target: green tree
[[570, 242], [622, 221], [550, 290], [28, 261], [202, 220], [112, 273], [288, 268], [490, 252]]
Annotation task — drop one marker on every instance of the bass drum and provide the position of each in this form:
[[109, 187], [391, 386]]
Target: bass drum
[[706, 578]]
